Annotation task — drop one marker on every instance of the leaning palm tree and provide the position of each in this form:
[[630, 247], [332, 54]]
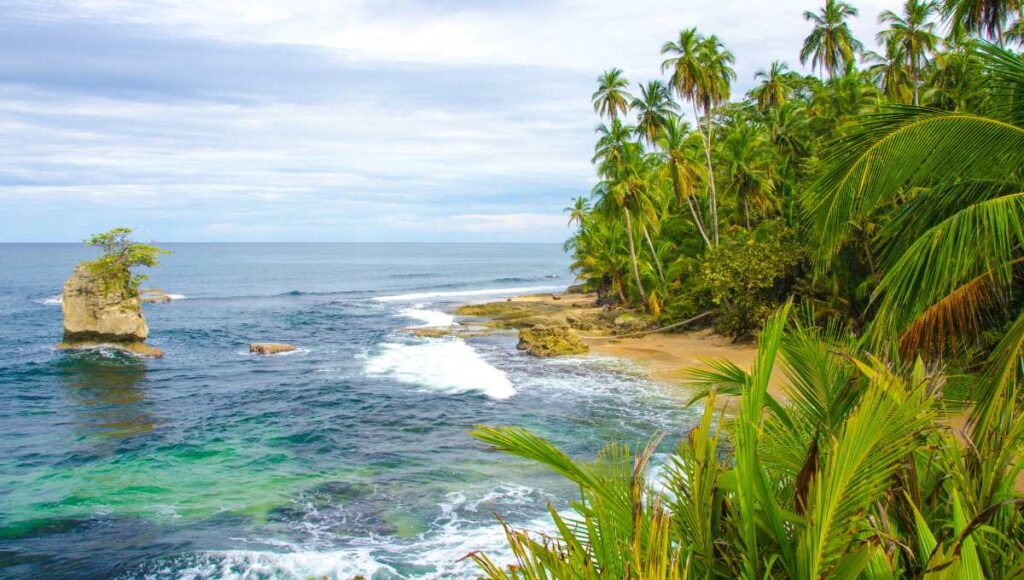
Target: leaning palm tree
[[910, 35], [652, 107], [611, 98], [773, 90], [831, 43], [952, 250]]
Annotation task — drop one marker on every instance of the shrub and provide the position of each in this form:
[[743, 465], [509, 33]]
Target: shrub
[[120, 256], [748, 275]]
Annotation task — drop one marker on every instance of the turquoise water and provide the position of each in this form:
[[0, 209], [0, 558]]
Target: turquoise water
[[348, 456]]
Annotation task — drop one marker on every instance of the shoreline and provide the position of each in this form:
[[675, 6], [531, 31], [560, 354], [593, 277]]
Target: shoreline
[[661, 356]]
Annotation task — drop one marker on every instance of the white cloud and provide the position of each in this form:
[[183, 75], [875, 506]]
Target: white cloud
[[586, 35], [460, 118]]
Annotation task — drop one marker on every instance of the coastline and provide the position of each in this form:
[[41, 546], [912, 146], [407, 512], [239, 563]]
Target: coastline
[[662, 356]]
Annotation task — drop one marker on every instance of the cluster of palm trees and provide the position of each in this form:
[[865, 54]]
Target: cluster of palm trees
[[895, 446], [675, 187]]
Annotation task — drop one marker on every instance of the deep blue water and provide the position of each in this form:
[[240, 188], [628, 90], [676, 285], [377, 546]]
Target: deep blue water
[[349, 456]]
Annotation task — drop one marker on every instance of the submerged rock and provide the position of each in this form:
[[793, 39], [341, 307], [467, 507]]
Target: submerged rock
[[270, 348], [546, 341], [97, 316], [154, 296]]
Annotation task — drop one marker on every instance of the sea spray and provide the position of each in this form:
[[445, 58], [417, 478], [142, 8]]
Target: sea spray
[[446, 365]]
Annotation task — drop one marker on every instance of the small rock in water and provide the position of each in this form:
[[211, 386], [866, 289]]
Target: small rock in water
[[154, 296], [270, 348]]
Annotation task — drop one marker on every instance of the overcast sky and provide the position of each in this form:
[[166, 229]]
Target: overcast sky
[[331, 120]]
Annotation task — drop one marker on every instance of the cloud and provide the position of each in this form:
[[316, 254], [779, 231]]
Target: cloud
[[329, 119]]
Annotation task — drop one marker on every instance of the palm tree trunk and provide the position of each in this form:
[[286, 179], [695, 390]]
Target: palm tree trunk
[[632, 257], [712, 194], [678, 189], [746, 211], [650, 245], [913, 78]]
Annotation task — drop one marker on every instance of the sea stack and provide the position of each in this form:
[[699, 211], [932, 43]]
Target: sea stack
[[96, 316]]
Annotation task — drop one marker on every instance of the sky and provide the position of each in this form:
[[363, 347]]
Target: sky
[[332, 120]]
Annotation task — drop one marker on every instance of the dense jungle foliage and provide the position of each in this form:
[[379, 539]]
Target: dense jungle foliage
[[868, 221]]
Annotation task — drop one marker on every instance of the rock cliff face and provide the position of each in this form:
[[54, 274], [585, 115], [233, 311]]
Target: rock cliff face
[[93, 317]]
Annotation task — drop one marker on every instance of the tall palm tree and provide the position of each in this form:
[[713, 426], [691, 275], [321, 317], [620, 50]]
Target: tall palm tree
[[701, 73], [831, 43], [611, 98], [773, 91], [683, 167], [653, 107], [713, 90], [910, 35]]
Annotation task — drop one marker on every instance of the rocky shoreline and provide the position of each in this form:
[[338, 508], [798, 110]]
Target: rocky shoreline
[[573, 323]]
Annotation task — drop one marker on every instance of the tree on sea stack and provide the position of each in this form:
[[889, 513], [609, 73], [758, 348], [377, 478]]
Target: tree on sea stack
[[101, 302]]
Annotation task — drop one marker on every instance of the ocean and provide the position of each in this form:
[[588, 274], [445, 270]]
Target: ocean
[[348, 456]]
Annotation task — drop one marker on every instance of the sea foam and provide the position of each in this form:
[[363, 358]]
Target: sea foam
[[461, 293], [430, 318], [449, 366]]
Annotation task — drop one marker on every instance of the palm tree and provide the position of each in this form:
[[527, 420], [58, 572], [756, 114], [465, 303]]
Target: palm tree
[[831, 43], [611, 97], [683, 166], [578, 210], [983, 17], [850, 473], [773, 90], [951, 252], [625, 191], [702, 73], [910, 35], [610, 144], [653, 107], [890, 72], [713, 90], [749, 170]]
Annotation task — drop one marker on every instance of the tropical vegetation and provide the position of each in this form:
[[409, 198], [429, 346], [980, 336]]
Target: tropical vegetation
[[866, 224], [121, 257]]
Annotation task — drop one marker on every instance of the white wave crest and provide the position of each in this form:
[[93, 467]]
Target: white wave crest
[[449, 366], [59, 299], [430, 318], [461, 293]]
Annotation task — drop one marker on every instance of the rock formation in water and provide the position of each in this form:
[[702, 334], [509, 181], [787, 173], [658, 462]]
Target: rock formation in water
[[95, 316], [154, 296], [270, 348], [545, 341]]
